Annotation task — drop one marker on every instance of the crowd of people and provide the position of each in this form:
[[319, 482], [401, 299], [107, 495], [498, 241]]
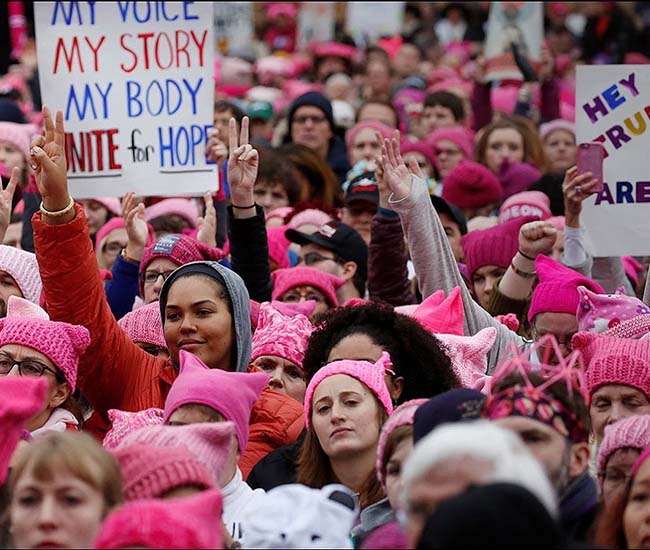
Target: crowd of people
[[384, 330]]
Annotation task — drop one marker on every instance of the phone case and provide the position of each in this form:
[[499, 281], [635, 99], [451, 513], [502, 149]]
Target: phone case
[[590, 159]]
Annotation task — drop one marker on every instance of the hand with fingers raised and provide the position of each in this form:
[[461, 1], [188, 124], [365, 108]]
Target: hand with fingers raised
[[243, 163], [6, 201], [207, 232], [47, 159], [216, 148], [137, 229], [396, 174], [576, 188]]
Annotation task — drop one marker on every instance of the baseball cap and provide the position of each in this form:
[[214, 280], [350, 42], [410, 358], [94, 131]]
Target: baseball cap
[[260, 110], [338, 237], [443, 207], [362, 187]]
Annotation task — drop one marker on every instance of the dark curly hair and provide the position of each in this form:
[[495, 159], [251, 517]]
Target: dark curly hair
[[416, 354]]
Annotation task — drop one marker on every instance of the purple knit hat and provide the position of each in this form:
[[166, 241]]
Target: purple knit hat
[[184, 208], [286, 279], [125, 422], [23, 268], [633, 431], [516, 177], [144, 325], [471, 185], [372, 375], [494, 246], [61, 343], [401, 416], [231, 394]]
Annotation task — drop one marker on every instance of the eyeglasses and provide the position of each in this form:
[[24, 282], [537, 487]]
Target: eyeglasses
[[294, 296], [28, 367], [315, 119], [312, 258], [150, 277], [613, 476], [448, 152], [566, 342], [113, 247]]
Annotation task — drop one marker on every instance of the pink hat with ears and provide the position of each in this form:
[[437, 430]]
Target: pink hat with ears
[[144, 325], [278, 246], [525, 203], [184, 208], [281, 213], [458, 135], [22, 266], [372, 375], [232, 394], [286, 279], [401, 416], [19, 307], [24, 397], [439, 315], [469, 355], [125, 422], [189, 522]]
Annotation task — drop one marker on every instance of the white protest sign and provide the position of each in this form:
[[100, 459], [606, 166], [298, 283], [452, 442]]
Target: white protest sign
[[518, 22], [233, 25], [612, 107], [315, 23], [372, 20], [135, 83]]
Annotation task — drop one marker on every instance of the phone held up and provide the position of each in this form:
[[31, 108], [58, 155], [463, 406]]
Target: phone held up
[[590, 159]]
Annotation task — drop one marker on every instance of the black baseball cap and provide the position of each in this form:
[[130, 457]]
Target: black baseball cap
[[443, 207], [338, 237], [363, 187]]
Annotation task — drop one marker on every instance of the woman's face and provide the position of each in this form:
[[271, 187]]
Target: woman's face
[[560, 149], [636, 518], [160, 268], [448, 155], [96, 214], [617, 471], [612, 402], [198, 320], [503, 143], [393, 475], [270, 195], [365, 146], [345, 417], [421, 161], [64, 512], [286, 377], [113, 245], [11, 156], [485, 280]]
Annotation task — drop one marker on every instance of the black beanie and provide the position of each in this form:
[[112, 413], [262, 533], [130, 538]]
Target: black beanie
[[315, 99]]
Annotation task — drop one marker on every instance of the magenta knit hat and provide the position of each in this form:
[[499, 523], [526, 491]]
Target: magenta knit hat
[[372, 375], [278, 246], [633, 431], [209, 442], [19, 135], [125, 422], [557, 290], [526, 203], [401, 416], [286, 279], [144, 325], [190, 522], [184, 208], [493, 246], [516, 177], [423, 147], [458, 135], [23, 268], [231, 394], [471, 185], [374, 125], [61, 343], [612, 360], [151, 472], [613, 314], [23, 397], [281, 336]]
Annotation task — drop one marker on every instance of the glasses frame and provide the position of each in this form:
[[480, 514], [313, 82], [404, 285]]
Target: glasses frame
[[4, 355]]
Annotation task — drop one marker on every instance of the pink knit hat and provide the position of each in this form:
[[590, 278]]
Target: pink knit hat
[[613, 314], [278, 246], [401, 416], [61, 343], [286, 279], [557, 290], [110, 226], [494, 246], [281, 336], [612, 360], [458, 135], [144, 325], [310, 216], [19, 135], [372, 375], [184, 208], [19, 307], [281, 213], [516, 177], [633, 431], [151, 472], [112, 204], [548, 128], [24, 396], [471, 185], [374, 125], [469, 355], [209, 442], [423, 147], [190, 522], [439, 314], [23, 268], [525, 203], [232, 394], [125, 422]]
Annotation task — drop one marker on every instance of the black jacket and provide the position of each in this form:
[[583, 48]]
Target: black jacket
[[279, 467]]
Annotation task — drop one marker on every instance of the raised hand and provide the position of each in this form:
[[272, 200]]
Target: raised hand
[[395, 173], [243, 163], [537, 238], [216, 149], [207, 232], [576, 188], [137, 229], [6, 202]]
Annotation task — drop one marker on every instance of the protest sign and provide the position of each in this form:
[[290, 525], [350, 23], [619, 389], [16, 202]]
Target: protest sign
[[508, 22], [135, 83], [315, 23], [368, 21], [233, 25], [612, 107]]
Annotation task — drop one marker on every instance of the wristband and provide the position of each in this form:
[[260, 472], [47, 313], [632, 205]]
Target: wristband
[[243, 207], [521, 273], [526, 256], [128, 258], [58, 213]]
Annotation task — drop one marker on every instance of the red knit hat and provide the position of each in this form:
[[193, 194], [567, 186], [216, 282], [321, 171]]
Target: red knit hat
[[151, 472], [286, 279], [471, 185], [494, 246], [191, 522]]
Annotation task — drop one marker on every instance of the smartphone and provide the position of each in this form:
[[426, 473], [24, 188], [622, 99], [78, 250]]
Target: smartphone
[[590, 159]]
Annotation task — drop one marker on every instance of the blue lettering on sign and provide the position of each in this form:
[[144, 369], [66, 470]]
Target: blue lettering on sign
[[164, 97], [69, 10], [178, 145], [88, 101]]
